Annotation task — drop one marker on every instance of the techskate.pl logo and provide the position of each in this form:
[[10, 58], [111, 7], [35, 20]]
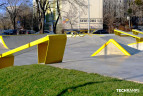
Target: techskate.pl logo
[[128, 90]]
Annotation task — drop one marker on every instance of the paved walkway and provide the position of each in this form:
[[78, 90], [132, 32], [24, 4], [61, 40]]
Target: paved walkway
[[77, 56]]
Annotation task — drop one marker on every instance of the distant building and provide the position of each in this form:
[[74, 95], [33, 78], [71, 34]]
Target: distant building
[[78, 18]]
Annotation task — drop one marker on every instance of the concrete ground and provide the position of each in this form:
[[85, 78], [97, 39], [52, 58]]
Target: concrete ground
[[77, 56]]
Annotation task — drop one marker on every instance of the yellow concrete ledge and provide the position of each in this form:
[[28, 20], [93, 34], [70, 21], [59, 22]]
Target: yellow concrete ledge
[[50, 50], [119, 32], [116, 44], [136, 32]]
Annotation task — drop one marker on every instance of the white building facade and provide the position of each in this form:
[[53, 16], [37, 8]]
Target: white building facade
[[78, 17]]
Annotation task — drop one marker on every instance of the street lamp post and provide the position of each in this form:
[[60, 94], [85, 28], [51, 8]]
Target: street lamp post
[[88, 16], [128, 18], [79, 18]]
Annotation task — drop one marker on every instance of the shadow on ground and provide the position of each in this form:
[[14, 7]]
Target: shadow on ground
[[82, 85]]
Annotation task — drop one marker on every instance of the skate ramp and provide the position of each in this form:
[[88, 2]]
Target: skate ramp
[[114, 48], [11, 42], [8, 42], [50, 50]]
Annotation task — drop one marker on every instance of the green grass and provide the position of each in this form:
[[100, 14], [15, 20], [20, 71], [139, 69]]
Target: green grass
[[42, 80]]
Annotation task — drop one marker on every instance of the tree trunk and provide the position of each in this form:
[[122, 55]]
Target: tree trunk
[[13, 21], [71, 25], [42, 23], [55, 25], [58, 9], [14, 24]]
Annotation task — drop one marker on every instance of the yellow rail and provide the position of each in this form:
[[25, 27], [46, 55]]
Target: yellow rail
[[136, 32], [119, 32], [28, 45]]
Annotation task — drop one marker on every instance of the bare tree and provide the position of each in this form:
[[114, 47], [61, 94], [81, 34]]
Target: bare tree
[[109, 14], [71, 11], [71, 15], [42, 7], [4, 22], [2, 4], [114, 14], [26, 16], [139, 5], [135, 9], [47, 5], [13, 8]]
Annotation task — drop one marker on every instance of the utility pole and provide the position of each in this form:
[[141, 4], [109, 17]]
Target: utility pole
[[78, 17], [88, 16]]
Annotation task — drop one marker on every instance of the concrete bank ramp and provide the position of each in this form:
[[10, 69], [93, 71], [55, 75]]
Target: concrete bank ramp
[[15, 41], [114, 48]]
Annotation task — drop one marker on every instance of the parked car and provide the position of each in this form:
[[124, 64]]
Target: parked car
[[68, 33], [135, 27], [46, 32], [30, 32], [37, 32], [140, 29], [10, 32], [22, 32], [100, 32], [3, 34]]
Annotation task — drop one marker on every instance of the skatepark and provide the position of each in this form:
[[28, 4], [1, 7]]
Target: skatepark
[[110, 60]]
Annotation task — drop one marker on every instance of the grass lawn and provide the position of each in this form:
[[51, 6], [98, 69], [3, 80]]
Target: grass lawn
[[42, 80]]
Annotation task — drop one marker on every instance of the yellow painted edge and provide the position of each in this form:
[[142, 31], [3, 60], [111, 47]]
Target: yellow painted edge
[[127, 34], [103, 46], [120, 47], [134, 43], [137, 31], [37, 53], [1, 37], [116, 44], [28, 45], [46, 53]]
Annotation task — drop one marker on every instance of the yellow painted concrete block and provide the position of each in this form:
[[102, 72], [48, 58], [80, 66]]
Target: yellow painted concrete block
[[42, 49], [6, 61], [52, 51]]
